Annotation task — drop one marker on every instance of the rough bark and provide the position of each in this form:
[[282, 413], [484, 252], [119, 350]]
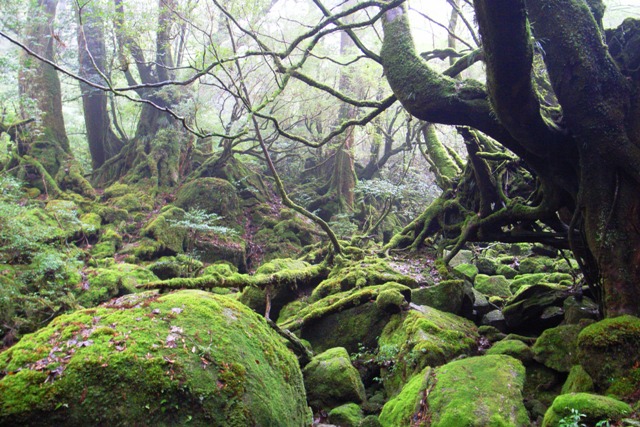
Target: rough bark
[[39, 83], [584, 157], [103, 143]]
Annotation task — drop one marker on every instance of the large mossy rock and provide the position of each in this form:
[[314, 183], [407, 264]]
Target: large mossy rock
[[187, 357], [280, 294], [594, 407], [610, 352], [493, 286], [477, 391], [448, 295], [105, 283], [348, 319], [331, 380], [418, 338], [368, 272], [557, 347], [536, 308], [213, 195]]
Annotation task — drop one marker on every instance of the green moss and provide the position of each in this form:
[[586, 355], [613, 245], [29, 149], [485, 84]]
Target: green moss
[[347, 415], [368, 272], [370, 421], [161, 229], [390, 301], [331, 380], [423, 338], [514, 348], [608, 350], [221, 268], [399, 410], [175, 266], [536, 265], [578, 381], [447, 295], [479, 391], [486, 266], [506, 271], [91, 223], [525, 280], [116, 280], [492, 285], [557, 347], [184, 357], [595, 408], [280, 293], [213, 195], [468, 271]]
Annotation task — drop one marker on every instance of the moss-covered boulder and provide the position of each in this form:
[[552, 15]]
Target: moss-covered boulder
[[525, 280], [447, 295], [535, 309], [347, 319], [187, 357], [428, 337], [279, 294], [557, 347], [610, 350], [576, 309], [514, 348], [368, 272], [477, 391], [104, 283], [391, 301], [213, 195], [536, 264], [578, 381], [594, 407], [162, 228], [467, 271], [331, 380], [487, 266], [493, 285], [347, 415], [169, 267]]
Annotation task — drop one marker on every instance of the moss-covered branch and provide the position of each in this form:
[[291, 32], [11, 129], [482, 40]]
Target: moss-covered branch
[[508, 50], [290, 278]]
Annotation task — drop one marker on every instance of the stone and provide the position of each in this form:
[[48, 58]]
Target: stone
[[448, 295], [185, 357], [594, 407], [609, 350], [557, 347], [490, 286], [476, 391], [525, 312], [425, 337], [494, 318], [331, 380], [514, 348], [347, 415]]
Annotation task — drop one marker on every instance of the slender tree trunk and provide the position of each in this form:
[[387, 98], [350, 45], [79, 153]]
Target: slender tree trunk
[[103, 143]]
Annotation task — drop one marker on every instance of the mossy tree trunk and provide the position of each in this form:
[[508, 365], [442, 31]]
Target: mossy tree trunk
[[156, 154], [584, 153], [40, 93]]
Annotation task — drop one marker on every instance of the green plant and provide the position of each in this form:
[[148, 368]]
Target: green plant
[[197, 221], [572, 420]]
